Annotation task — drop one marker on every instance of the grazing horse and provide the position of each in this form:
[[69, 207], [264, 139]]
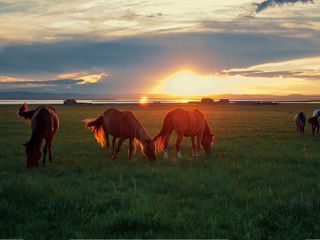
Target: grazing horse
[[186, 123], [44, 124], [300, 120], [123, 125], [316, 113], [314, 124]]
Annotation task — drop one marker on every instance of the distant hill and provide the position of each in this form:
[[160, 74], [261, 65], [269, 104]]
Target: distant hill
[[62, 96], [38, 95]]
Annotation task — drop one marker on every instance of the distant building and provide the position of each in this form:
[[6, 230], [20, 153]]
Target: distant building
[[70, 102], [224, 100], [207, 101]]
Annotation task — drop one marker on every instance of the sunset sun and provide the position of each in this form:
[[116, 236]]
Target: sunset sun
[[187, 83], [143, 100]]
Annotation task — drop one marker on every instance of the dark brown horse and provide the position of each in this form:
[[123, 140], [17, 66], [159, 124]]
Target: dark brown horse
[[123, 125], [185, 123], [300, 121], [314, 122], [44, 124]]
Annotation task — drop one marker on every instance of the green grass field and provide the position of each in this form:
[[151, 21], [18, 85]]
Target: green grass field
[[262, 182]]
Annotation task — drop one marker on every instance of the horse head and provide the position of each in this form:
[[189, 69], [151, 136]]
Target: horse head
[[207, 140], [148, 149], [33, 154]]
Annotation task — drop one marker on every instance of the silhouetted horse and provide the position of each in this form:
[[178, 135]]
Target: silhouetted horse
[[186, 123], [313, 121], [300, 120], [316, 113], [123, 125], [44, 124]]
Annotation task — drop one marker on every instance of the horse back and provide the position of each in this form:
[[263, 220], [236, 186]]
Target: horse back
[[119, 123], [188, 122], [300, 118], [45, 121]]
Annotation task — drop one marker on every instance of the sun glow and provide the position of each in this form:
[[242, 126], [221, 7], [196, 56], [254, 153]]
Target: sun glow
[[143, 100], [187, 83]]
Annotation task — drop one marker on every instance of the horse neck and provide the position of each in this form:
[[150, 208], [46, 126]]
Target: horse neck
[[35, 139], [141, 134], [207, 129]]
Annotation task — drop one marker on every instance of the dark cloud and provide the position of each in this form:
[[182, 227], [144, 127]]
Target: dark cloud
[[66, 56], [46, 82], [134, 63], [271, 3], [271, 74]]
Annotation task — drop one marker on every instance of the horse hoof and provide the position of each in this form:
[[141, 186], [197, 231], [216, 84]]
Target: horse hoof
[[179, 156], [165, 155]]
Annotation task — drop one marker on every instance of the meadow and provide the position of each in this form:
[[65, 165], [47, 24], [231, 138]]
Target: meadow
[[262, 181]]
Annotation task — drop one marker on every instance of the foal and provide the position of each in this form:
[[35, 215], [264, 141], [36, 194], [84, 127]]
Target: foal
[[314, 124], [300, 120], [44, 124]]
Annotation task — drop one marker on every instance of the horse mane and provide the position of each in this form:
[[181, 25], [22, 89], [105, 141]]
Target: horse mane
[[207, 128], [140, 134]]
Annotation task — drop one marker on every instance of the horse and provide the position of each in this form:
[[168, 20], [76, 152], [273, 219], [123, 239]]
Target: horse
[[44, 124], [185, 123], [313, 121], [123, 125], [316, 113], [300, 120]]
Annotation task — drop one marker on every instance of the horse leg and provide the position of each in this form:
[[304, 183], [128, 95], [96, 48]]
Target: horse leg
[[49, 148], [130, 148], [178, 143], [118, 147], [193, 146], [107, 144], [313, 129], [165, 145], [199, 138], [45, 152], [113, 144]]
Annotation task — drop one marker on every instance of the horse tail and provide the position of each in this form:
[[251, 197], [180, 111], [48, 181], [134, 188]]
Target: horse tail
[[166, 129], [96, 126], [25, 112]]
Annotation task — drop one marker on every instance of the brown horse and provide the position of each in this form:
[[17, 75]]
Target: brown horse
[[313, 121], [300, 120], [123, 125], [44, 124], [186, 123]]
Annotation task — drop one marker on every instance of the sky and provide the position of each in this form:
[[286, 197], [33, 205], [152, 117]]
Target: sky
[[171, 47]]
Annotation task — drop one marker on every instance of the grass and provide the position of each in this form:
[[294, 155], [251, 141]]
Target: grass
[[263, 181]]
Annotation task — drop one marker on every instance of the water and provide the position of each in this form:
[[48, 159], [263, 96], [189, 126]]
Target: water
[[58, 101], [120, 101]]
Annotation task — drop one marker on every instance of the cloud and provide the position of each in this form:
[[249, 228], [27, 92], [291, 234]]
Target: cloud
[[303, 68], [136, 64], [259, 7], [46, 82]]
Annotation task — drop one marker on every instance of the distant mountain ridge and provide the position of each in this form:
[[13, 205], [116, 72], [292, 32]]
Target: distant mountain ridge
[[260, 97], [38, 95]]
